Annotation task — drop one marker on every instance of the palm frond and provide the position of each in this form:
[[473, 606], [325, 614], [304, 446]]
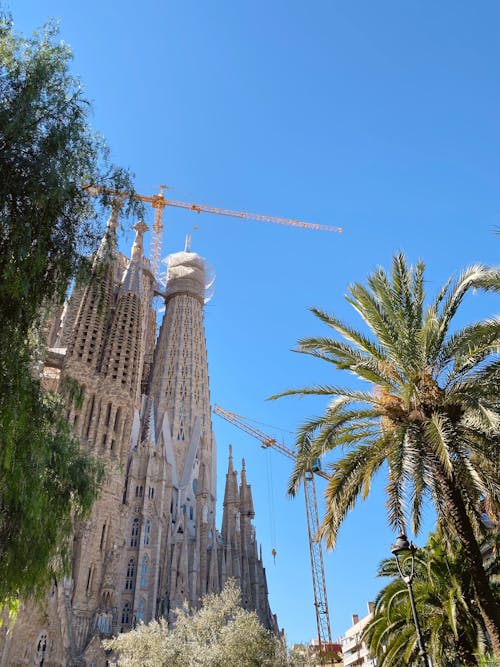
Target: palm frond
[[375, 317], [427, 337], [415, 468], [328, 390], [483, 381], [387, 297], [476, 276], [409, 289], [345, 357], [471, 339], [396, 483], [350, 334], [489, 281], [418, 292], [440, 434], [346, 484], [338, 428]]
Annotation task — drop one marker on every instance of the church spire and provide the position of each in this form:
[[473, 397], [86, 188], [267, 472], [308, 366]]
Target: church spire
[[87, 341], [122, 358], [132, 278], [231, 491], [107, 247], [231, 505], [246, 500]]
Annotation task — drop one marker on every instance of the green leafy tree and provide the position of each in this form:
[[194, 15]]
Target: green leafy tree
[[431, 410], [451, 624], [49, 155], [218, 634]]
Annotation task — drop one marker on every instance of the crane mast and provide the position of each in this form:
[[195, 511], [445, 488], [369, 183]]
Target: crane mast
[[317, 565], [315, 549]]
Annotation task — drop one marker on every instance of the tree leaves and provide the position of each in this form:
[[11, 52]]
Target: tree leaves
[[49, 223], [450, 620], [218, 634]]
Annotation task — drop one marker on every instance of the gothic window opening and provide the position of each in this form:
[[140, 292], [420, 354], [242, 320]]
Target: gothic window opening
[[147, 532], [144, 572], [89, 579], [90, 412], [134, 538], [141, 609], [98, 416], [129, 580], [126, 614], [103, 534], [41, 648], [108, 414], [117, 420]]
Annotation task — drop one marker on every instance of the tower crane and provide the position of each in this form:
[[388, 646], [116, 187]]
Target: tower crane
[[316, 552], [159, 201]]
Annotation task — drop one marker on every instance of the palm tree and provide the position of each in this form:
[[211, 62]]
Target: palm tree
[[431, 411], [451, 624]]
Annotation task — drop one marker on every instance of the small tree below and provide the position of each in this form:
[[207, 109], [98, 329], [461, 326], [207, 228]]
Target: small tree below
[[218, 634]]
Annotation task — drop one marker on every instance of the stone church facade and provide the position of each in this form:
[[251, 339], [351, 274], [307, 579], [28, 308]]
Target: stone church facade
[[151, 542]]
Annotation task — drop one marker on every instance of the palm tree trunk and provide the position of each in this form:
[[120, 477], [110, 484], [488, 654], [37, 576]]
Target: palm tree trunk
[[454, 506]]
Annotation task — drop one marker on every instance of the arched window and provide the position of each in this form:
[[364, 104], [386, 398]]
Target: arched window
[[117, 419], [129, 579], [108, 414], [103, 534], [89, 579], [126, 614], [90, 412], [141, 610], [147, 532], [144, 572], [135, 532]]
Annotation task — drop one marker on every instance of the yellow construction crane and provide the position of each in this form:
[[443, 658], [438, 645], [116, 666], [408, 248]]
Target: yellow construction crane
[[316, 552], [159, 201]]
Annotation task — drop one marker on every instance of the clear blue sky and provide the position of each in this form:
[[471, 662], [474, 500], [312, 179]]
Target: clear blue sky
[[381, 117]]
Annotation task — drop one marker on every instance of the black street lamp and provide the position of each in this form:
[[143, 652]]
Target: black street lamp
[[402, 546]]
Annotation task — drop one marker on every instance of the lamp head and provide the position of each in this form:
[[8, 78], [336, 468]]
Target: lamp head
[[401, 545]]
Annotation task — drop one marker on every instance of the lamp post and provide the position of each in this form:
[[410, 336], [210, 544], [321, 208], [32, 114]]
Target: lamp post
[[402, 546]]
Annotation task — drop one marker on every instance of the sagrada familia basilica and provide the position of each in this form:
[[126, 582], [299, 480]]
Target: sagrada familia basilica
[[151, 542]]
